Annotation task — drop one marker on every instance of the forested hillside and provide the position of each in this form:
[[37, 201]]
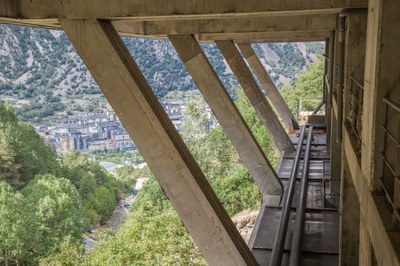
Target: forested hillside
[[45, 201], [41, 74]]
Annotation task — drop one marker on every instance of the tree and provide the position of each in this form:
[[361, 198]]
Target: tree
[[308, 87], [13, 226], [54, 211], [35, 221], [237, 192], [147, 239], [258, 128], [24, 153], [98, 189], [69, 255], [126, 177]]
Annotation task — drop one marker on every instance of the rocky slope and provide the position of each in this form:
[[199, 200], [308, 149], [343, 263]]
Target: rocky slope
[[42, 75]]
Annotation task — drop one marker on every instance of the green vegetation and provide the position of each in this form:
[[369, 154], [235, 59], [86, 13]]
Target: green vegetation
[[35, 221], [126, 178], [119, 157], [23, 153], [98, 190], [46, 204], [307, 88]]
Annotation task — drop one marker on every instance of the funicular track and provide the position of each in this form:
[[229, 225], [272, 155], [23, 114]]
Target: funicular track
[[304, 228]]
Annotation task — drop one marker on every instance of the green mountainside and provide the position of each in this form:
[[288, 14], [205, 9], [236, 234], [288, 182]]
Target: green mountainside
[[46, 81]]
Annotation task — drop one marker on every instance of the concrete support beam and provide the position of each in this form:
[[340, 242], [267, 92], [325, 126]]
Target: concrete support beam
[[365, 247], [260, 37], [373, 231], [9, 8], [329, 92], [92, 9], [382, 71], [273, 93], [129, 94], [350, 209], [253, 24], [349, 219], [336, 160], [227, 114], [335, 147], [255, 96], [355, 50]]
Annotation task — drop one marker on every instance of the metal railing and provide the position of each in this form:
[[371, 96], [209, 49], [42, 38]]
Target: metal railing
[[390, 179], [354, 117]]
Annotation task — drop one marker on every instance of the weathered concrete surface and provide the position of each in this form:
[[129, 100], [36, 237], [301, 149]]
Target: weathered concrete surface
[[129, 94], [44, 9], [355, 50], [259, 37], [372, 226], [382, 71], [227, 114], [329, 83], [354, 66], [336, 155], [350, 209], [255, 96], [381, 79], [365, 251], [335, 131], [269, 86], [349, 219], [228, 25]]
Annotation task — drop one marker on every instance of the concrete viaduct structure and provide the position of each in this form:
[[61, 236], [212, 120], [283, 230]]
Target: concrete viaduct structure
[[361, 98]]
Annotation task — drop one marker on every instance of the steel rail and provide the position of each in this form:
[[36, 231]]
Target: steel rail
[[279, 243], [298, 236]]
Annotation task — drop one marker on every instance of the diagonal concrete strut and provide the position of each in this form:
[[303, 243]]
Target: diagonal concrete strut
[[126, 89], [255, 95], [227, 114], [269, 86]]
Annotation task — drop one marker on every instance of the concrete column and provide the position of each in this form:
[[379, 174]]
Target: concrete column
[[349, 203], [255, 95], [325, 95], [355, 49], [382, 71], [329, 107], [336, 159], [365, 246], [336, 147], [227, 114], [128, 92], [349, 219], [273, 93]]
